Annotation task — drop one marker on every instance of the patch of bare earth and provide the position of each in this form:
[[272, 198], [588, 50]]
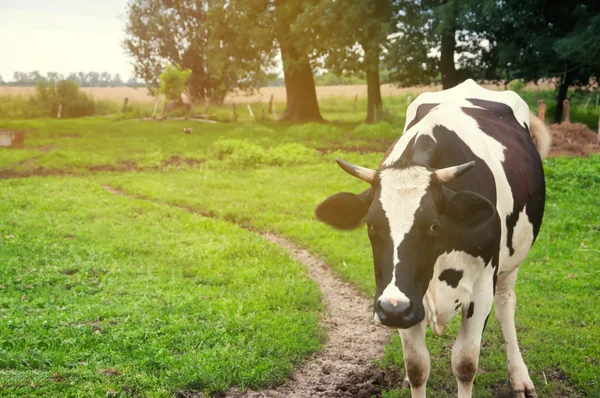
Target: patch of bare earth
[[573, 139], [344, 368]]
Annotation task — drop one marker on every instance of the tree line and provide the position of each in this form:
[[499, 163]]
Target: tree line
[[235, 44], [83, 79]]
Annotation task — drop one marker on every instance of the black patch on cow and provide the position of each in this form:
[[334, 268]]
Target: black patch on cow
[[486, 321], [470, 310], [451, 276], [457, 307], [452, 151], [422, 111], [344, 210], [455, 301], [522, 163]]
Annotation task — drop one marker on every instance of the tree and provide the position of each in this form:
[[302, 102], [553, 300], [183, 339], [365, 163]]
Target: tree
[[295, 38], [173, 81], [441, 39], [362, 28], [549, 39], [216, 39], [117, 81]]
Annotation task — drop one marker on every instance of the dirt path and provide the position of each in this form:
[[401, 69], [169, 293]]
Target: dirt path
[[344, 368]]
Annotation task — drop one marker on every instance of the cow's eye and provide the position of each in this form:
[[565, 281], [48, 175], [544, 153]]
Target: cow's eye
[[434, 228]]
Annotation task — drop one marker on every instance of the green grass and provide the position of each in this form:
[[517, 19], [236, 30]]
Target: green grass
[[105, 295], [193, 303], [81, 145], [559, 328]]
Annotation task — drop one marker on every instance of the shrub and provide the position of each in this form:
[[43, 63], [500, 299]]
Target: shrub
[[516, 85], [291, 154], [379, 130], [173, 81], [49, 95], [248, 154]]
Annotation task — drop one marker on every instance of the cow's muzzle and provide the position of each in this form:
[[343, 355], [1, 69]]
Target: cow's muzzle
[[399, 314]]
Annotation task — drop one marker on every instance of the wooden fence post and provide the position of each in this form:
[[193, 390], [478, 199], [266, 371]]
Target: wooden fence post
[[355, 101], [542, 111], [271, 105], [59, 111], [234, 112], [566, 112], [250, 110], [125, 101], [207, 105]]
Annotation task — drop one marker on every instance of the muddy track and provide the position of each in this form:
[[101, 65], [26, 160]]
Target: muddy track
[[344, 368]]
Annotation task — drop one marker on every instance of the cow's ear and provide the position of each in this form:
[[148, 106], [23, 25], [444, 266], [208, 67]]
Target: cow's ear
[[468, 208], [344, 210]]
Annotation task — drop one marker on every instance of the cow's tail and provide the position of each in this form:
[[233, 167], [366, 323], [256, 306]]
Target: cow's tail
[[540, 132]]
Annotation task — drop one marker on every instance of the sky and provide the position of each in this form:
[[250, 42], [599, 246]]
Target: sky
[[63, 36]]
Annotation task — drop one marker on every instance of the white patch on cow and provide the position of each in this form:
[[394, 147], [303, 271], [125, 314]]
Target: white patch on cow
[[401, 194], [376, 318], [470, 89], [441, 299], [522, 240]]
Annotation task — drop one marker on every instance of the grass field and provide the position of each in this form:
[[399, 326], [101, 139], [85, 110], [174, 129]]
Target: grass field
[[111, 295]]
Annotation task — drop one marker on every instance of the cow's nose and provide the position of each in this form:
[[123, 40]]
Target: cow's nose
[[394, 313]]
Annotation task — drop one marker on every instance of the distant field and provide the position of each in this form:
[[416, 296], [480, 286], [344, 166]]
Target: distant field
[[140, 95]]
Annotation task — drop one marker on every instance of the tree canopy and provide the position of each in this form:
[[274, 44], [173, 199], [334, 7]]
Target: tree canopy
[[235, 44]]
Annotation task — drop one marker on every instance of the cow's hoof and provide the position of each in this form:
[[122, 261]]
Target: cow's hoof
[[528, 393], [406, 383]]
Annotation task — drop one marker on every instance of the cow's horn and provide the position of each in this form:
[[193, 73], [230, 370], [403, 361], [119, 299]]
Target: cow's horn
[[367, 175], [449, 173]]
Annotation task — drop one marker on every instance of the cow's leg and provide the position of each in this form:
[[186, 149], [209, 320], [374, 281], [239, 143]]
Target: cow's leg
[[505, 302], [465, 352], [416, 358]]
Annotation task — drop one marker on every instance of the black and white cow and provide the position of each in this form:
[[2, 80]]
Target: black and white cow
[[452, 211]]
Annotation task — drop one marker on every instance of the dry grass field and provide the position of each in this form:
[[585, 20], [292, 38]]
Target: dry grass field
[[140, 95]]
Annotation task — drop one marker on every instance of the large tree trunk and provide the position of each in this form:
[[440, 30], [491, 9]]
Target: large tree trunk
[[447, 67], [373, 84], [562, 95], [300, 89]]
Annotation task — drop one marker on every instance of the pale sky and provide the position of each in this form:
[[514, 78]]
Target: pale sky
[[62, 36]]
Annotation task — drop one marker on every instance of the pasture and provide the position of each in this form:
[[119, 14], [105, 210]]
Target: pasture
[[170, 288]]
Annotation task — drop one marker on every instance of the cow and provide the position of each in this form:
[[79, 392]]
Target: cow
[[451, 212]]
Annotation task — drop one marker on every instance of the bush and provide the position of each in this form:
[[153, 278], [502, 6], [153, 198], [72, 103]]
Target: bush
[[379, 130], [248, 154], [49, 95], [172, 82], [516, 85]]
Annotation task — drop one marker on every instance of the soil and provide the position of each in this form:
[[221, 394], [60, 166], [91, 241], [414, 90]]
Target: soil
[[573, 139], [344, 368]]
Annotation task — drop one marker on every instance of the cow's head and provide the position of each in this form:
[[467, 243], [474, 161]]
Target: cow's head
[[413, 220]]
